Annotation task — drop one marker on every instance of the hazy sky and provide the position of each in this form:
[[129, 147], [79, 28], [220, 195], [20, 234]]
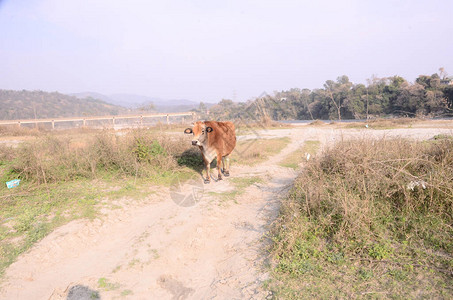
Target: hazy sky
[[209, 50]]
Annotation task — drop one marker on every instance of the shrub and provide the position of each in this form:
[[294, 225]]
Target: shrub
[[356, 186]]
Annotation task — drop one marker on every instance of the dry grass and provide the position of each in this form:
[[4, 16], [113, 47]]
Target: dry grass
[[376, 123], [317, 123], [384, 123], [56, 158], [369, 219], [14, 130]]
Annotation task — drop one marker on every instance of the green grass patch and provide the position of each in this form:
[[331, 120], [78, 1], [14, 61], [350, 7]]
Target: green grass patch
[[294, 159], [126, 293], [240, 185], [252, 152], [107, 285], [133, 263], [116, 269], [368, 219]]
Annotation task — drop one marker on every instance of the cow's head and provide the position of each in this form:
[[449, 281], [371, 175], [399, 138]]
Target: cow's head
[[200, 133]]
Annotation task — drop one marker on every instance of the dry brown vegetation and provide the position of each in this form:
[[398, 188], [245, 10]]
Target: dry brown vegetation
[[369, 218], [14, 130], [317, 123], [55, 158], [385, 123], [373, 123]]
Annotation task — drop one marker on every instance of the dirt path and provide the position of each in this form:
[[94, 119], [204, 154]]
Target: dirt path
[[161, 250], [156, 249]]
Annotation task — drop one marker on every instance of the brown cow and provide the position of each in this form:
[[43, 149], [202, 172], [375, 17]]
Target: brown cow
[[215, 140]]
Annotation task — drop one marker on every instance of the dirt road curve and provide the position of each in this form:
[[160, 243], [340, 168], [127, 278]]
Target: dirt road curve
[[156, 249]]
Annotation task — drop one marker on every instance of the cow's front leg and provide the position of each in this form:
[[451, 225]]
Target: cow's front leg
[[219, 162], [207, 165]]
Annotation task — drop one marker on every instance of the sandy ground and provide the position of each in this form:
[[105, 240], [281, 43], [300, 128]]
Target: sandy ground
[[159, 249]]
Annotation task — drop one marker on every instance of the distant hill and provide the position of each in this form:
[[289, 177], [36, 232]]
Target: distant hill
[[161, 105], [94, 96], [38, 104], [133, 101]]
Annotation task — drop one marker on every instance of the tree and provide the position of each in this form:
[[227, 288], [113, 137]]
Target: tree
[[306, 97], [202, 107], [356, 100], [434, 101], [392, 90], [411, 99], [341, 99], [338, 92], [448, 94]]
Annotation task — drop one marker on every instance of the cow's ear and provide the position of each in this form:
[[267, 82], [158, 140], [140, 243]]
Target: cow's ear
[[208, 129], [188, 131]]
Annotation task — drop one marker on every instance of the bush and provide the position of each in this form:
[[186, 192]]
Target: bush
[[355, 187]]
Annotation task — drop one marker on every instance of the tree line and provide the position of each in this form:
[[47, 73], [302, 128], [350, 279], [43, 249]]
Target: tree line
[[429, 96]]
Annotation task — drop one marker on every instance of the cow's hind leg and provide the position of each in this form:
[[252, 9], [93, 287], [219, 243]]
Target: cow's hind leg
[[223, 165], [226, 166]]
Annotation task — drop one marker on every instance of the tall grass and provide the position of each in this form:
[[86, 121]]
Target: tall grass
[[365, 211], [57, 158], [352, 184], [14, 130]]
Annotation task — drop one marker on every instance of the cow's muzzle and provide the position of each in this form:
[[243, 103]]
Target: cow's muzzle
[[194, 143]]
